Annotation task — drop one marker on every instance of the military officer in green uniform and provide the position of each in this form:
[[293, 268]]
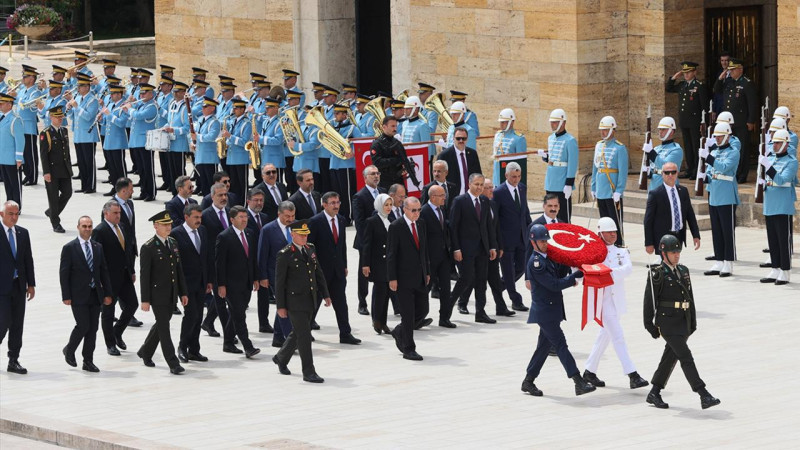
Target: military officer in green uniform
[[692, 100], [669, 312], [56, 165], [298, 281], [739, 97], [161, 282]]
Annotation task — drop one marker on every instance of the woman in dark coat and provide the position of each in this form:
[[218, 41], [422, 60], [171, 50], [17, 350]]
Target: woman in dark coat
[[373, 261]]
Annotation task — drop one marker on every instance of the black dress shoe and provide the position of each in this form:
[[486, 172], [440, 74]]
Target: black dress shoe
[[767, 280], [483, 318], [69, 357], [59, 229], [230, 348], [396, 335], [252, 352], [313, 378], [765, 250], [90, 191], [79, 191], [349, 339], [637, 381], [149, 199], [519, 307], [711, 272], [363, 310], [711, 258], [113, 351], [314, 325], [654, 398], [765, 265], [423, 323], [591, 377], [177, 370], [210, 330], [102, 168], [120, 342], [147, 361], [781, 282], [15, 367], [530, 388], [183, 356], [197, 357], [135, 322], [110, 193], [282, 368], [90, 367], [724, 274], [463, 310], [24, 181], [707, 401], [434, 293], [581, 386], [506, 313], [47, 212], [412, 355], [278, 343], [266, 329], [446, 323]]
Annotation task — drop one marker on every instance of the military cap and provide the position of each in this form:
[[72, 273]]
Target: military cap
[[166, 80], [109, 63], [145, 73], [210, 102], [239, 103], [161, 217], [361, 98], [735, 63], [424, 87], [198, 71], [317, 86], [180, 86], [112, 79], [56, 111], [339, 107], [145, 87], [263, 84], [84, 79], [115, 89], [4, 70], [669, 243], [688, 66], [81, 55], [395, 104], [6, 98], [385, 94], [199, 83], [331, 91], [293, 94], [59, 69], [300, 227], [289, 73], [225, 79], [55, 84], [255, 76], [457, 95], [269, 101], [166, 68], [226, 86], [349, 88], [28, 71], [134, 72]]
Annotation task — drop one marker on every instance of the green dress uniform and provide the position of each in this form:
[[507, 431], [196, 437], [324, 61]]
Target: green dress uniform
[[692, 100], [298, 282], [54, 152], [161, 283]]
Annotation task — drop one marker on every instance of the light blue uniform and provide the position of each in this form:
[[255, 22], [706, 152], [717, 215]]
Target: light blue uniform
[[85, 127], [209, 92], [431, 117], [347, 130], [779, 193], [668, 151], [52, 102], [241, 132], [273, 145], [115, 123], [143, 119], [3, 87], [417, 130], [72, 82], [472, 120], [178, 120], [506, 143], [163, 101], [224, 109], [12, 139], [284, 102], [311, 149], [723, 188], [610, 168], [562, 162], [28, 114], [365, 121], [472, 136], [208, 129]]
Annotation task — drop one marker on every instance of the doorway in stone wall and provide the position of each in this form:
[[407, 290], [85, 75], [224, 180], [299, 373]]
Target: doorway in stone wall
[[373, 46]]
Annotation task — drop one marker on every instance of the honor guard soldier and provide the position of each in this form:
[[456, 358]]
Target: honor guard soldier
[[782, 112], [470, 118], [56, 167], [205, 133], [343, 171], [298, 282], [161, 283], [27, 94], [723, 196], [458, 112], [609, 174], [668, 151], [270, 136], [290, 84], [143, 119], [116, 118], [3, 84], [692, 100], [431, 117], [86, 135], [669, 312], [239, 132], [12, 135], [740, 98], [178, 128], [54, 98], [198, 73], [547, 280], [779, 210], [562, 163], [507, 141], [618, 260], [415, 128]]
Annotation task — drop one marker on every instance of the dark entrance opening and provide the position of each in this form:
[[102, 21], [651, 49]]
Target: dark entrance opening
[[373, 46]]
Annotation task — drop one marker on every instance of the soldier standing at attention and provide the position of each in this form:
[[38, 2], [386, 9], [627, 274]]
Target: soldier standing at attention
[[669, 312], [56, 166], [740, 98], [692, 99]]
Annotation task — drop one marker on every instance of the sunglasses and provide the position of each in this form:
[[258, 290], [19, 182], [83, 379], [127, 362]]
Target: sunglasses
[[415, 210], [461, 139], [271, 172], [670, 172]]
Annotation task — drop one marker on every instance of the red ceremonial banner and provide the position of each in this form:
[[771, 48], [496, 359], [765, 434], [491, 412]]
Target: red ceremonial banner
[[595, 278], [417, 153]]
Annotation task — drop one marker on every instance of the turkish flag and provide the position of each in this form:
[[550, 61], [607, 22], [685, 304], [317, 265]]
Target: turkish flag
[[573, 245], [418, 153]]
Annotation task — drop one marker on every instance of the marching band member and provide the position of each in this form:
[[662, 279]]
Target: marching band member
[[271, 137], [293, 100], [99, 85], [163, 99], [27, 93], [238, 133], [206, 133], [11, 152], [85, 107], [115, 118], [178, 128], [364, 118], [343, 171], [80, 58], [143, 116], [432, 117], [309, 158], [290, 84], [54, 98], [197, 93]]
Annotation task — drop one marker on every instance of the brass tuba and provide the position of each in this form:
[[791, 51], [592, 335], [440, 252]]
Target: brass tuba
[[436, 103], [290, 126], [327, 135], [252, 147], [222, 144], [377, 108], [402, 96]]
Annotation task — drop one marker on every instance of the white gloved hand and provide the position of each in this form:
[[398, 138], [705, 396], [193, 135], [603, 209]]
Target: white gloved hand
[[761, 181], [617, 197], [710, 143], [764, 161], [768, 137], [647, 147], [594, 195], [646, 169], [567, 192], [704, 152], [701, 175], [441, 142], [542, 154]]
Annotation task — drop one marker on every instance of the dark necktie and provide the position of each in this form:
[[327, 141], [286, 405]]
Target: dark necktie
[[196, 240], [335, 231], [676, 212], [464, 172], [258, 220], [478, 208], [414, 232], [516, 197], [441, 219], [89, 261], [244, 244]]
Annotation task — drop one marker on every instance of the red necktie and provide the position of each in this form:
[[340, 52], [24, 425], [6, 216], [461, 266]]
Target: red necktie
[[464, 173], [414, 232], [478, 208], [335, 232], [244, 244]]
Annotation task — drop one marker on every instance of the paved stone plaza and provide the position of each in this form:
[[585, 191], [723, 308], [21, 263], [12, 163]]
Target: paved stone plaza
[[466, 393]]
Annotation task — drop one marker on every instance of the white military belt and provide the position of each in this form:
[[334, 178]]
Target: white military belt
[[557, 163], [718, 176], [774, 184]]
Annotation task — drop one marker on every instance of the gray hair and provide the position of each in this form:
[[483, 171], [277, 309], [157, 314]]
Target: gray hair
[[285, 205], [393, 188], [216, 187], [11, 203], [180, 180], [443, 163], [513, 167], [409, 200], [473, 176], [110, 204], [367, 169]]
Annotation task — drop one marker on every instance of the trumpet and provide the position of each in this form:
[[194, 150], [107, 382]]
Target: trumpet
[[377, 109], [12, 84], [81, 64], [32, 101], [328, 137], [252, 147], [222, 144], [290, 126]]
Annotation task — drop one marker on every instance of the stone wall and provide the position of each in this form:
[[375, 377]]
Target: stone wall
[[788, 53], [134, 52]]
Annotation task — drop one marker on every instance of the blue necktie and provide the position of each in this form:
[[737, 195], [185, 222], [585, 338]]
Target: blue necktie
[[89, 260], [13, 243], [288, 235], [676, 213]]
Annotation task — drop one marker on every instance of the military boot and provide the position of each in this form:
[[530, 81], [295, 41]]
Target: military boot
[[637, 381], [581, 386], [591, 377]]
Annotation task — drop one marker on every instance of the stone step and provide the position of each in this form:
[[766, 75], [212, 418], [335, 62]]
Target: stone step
[[638, 199], [633, 215]]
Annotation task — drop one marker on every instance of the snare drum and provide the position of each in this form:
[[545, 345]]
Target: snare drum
[[157, 141]]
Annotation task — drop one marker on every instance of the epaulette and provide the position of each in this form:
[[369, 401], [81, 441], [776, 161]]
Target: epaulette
[[618, 142], [285, 249], [518, 133], [656, 273], [150, 241], [746, 79]]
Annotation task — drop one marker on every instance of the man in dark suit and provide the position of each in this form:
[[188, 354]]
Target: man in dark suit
[[669, 209], [473, 244], [461, 160], [225, 179], [306, 200], [274, 190], [513, 219], [215, 220], [236, 276], [112, 235], [193, 245], [398, 194], [161, 283], [437, 228], [182, 199], [85, 283], [124, 191], [272, 238], [17, 282], [256, 220], [409, 274], [440, 172], [328, 236], [493, 276], [363, 208]]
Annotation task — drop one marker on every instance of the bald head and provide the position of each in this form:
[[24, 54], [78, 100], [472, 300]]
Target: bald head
[[436, 195]]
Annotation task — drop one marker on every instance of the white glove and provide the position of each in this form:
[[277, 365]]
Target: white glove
[[647, 147], [542, 153], [701, 175], [617, 196], [646, 169], [704, 152], [568, 191], [761, 181], [768, 137], [441, 142], [764, 161], [594, 195]]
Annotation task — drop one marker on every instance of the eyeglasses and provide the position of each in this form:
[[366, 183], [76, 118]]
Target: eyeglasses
[[415, 210], [372, 174], [670, 172], [270, 172], [226, 181], [461, 139]]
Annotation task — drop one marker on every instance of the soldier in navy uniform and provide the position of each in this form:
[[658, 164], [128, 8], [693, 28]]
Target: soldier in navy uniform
[[56, 166], [669, 312], [740, 98], [692, 100]]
